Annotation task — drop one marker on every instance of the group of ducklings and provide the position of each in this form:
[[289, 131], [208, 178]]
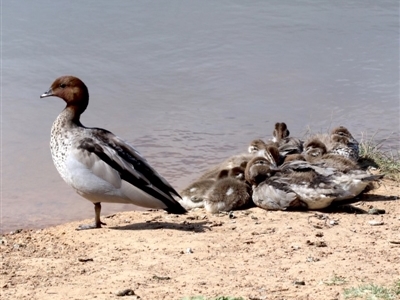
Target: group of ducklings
[[284, 173]]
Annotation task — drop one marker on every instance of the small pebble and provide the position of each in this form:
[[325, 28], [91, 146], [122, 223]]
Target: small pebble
[[126, 292], [85, 259], [17, 246], [319, 234], [189, 250], [320, 244], [375, 223], [333, 222], [299, 282], [161, 277], [231, 215], [312, 259]]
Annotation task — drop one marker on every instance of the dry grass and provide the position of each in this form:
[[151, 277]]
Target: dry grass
[[372, 155]]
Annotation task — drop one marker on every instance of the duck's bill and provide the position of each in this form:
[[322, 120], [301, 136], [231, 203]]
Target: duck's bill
[[47, 94]]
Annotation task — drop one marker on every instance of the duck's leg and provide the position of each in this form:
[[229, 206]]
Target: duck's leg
[[97, 209], [97, 222]]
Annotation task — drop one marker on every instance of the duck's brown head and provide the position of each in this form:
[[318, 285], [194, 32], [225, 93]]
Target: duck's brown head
[[72, 90]]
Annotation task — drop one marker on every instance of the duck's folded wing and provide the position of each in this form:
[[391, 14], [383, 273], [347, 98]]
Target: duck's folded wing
[[130, 165]]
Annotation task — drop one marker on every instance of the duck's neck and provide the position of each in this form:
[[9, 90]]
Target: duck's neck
[[71, 115]]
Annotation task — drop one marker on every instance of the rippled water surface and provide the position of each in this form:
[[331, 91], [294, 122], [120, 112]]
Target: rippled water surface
[[188, 83]]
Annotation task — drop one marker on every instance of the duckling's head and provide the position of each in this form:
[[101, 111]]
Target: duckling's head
[[341, 131], [280, 132], [314, 148], [259, 169], [72, 90], [256, 145], [340, 139]]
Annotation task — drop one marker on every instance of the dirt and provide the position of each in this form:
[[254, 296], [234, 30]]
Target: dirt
[[254, 254]]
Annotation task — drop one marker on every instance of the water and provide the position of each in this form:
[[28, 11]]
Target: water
[[188, 83]]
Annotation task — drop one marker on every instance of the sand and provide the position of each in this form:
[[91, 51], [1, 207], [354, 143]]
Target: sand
[[254, 254]]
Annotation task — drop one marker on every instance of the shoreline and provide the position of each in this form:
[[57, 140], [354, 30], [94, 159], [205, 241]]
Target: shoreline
[[255, 254]]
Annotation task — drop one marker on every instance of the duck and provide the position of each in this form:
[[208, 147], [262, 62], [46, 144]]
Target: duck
[[229, 192], [303, 185], [97, 164], [346, 184], [265, 193]]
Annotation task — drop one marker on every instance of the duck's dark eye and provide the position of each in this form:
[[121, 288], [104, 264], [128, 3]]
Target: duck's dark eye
[[63, 85]]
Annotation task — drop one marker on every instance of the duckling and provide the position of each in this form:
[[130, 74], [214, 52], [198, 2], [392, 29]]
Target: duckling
[[280, 132], [229, 192], [340, 142], [286, 144], [315, 152], [239, 160], [193, 195], [256, 145], [344, 144], [314, 148]]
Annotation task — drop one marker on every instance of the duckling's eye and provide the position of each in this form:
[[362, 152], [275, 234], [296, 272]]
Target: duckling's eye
[[63, 85]]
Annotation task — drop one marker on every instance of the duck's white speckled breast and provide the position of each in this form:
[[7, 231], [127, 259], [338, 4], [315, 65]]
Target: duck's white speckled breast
[[61, 141]]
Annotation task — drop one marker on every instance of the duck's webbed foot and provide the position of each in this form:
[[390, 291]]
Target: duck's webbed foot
[[97, 222]]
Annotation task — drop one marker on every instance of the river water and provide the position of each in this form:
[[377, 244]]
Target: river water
[[188, 83]]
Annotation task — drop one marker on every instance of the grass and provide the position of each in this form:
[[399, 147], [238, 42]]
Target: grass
[[373, 292], [335, 280], [372, 155]]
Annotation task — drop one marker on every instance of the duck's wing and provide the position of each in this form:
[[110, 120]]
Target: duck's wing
[[130, 165], [271, 195], [304, 166]]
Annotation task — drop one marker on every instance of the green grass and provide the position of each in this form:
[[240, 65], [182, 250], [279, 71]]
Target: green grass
[[372, 155], [374, 292]]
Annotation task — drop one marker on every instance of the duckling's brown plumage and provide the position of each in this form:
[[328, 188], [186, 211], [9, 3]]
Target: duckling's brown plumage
[[229, 192]]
